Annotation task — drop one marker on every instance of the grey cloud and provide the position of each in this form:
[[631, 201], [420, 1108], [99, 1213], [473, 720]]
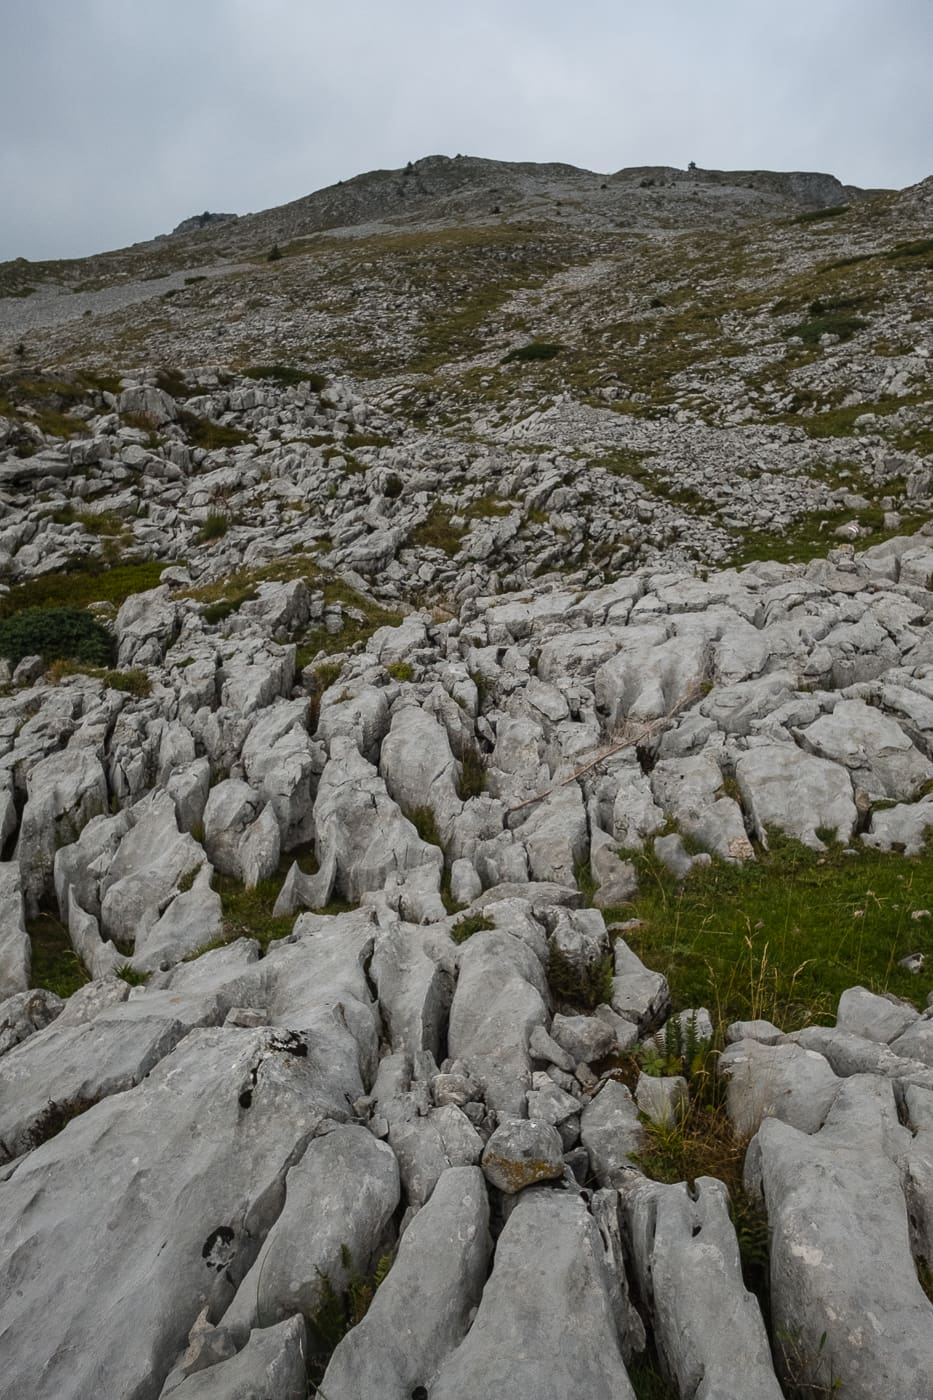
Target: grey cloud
[[118, 118]]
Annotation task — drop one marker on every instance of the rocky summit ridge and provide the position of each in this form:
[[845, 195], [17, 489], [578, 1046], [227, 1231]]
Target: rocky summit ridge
[[466, 780]]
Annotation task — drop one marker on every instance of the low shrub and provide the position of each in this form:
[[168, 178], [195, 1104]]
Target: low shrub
[[839, 323], [285, 375], [816, 216], [536, 350], [55, 634]]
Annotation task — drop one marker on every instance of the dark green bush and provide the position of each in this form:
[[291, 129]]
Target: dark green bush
[[917, 248], [204, 432], [55, 634], [814, 216], [537, 350], [833, 323], [286, 374]]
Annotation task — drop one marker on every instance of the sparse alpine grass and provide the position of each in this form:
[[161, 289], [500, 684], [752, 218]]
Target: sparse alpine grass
[[781, 937]]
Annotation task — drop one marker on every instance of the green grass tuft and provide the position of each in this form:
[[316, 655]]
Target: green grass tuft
[[466, 928], [55, 964]]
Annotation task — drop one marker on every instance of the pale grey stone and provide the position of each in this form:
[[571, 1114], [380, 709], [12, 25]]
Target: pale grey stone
[[796, 793], [764, 1031], [543, 1047], [415, 987], [422, 1310], [15, 947], [881, 1018], [179, 1147], [24, 1013], [64, 791], [663, 1100], [499, 998], [550, 1237], [786, 1081], [338, 1201], [872, 746], [707, 1327], [611, 1133], [583, 1038], [419, 768], [357, 822], [844, 1289], [521, 1153], [272, 1364]]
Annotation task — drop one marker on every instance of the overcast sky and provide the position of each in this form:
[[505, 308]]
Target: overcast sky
[[119, 118]]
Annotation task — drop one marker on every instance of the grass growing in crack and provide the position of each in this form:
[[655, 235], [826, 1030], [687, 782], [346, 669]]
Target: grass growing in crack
[[341, 1309], [135, 682], [425, 823], [781, 937], [466, 928], [55, 964], [204, 432], [131, 976], [579, 987], [214, 528], [436, 532], [472, 773], [536, 350], [839, 323], [815, 216], [401, 671], [248, 913]]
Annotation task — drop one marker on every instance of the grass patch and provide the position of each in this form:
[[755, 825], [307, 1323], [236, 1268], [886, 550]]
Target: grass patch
[[425, 823], [248, 913], [321, 679], [77, 588], [914, 248], [436, 532], [401, 671], [339, 1311], [226, 607], [55, 964], [817, 216], [131, 976], [472, 773], [783, 936], [204, 432], [106, 523], [840, 323], [135, 682], [487, 508]]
